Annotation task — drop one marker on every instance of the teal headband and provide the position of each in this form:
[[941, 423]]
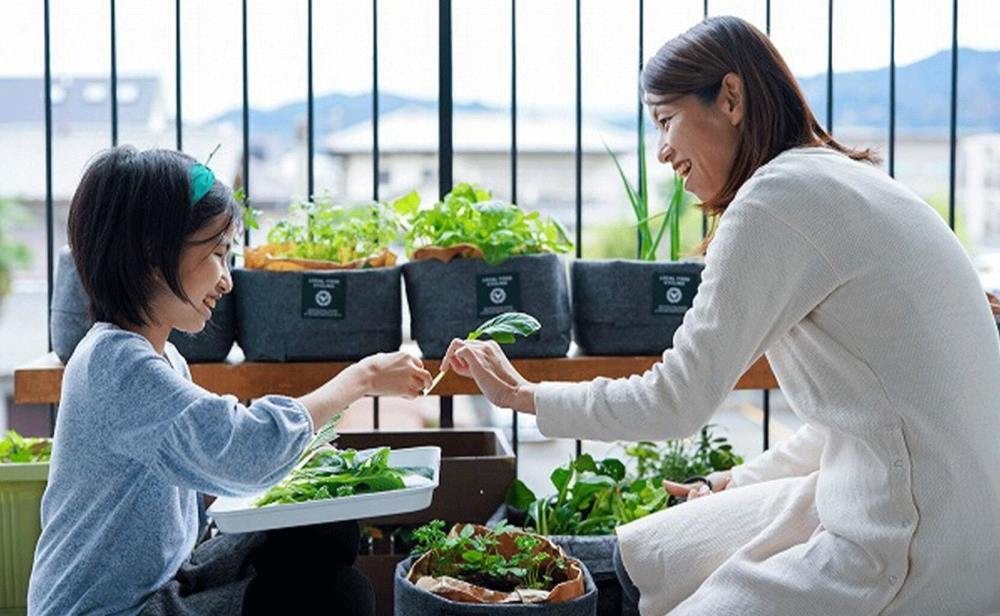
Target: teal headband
[[202, 180]]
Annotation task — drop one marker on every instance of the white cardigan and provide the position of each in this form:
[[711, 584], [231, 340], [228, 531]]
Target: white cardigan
[[877, 329]]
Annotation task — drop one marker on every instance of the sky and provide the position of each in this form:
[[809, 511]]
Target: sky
[[408, 30]]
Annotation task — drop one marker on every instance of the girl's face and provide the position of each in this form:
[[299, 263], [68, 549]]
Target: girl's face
[[204, 276], [699, 140]]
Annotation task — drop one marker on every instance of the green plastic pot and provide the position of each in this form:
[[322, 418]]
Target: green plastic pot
[[21, 488]]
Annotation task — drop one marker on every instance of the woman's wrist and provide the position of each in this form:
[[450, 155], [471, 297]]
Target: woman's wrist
[[524, 398]]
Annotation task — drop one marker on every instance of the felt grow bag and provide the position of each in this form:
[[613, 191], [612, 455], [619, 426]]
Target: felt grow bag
[[21, 488], [449, 300], [71, 320], [631, 307], [329, 315], [596, 552], [411, 600]]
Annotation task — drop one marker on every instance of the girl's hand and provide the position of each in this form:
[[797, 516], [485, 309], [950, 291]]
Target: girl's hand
[[719, 480], [394, 374], [486, 364]]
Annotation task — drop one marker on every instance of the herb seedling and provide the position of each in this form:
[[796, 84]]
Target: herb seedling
[[504, 328], [18, 449]]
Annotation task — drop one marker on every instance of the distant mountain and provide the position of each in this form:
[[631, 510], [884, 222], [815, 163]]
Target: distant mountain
[[923, 94], [861, 99]]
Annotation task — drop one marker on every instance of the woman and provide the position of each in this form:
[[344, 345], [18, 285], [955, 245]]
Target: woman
[[887, 501]]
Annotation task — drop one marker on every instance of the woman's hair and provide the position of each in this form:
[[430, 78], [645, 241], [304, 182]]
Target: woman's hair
[[776, 115], [130, 217]]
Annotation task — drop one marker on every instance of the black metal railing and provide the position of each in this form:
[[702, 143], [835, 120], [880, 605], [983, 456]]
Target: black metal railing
[[445, 117]]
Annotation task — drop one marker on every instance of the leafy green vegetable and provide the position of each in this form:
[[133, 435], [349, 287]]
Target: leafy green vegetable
[[595, 497], [15, 448], [470, 215], [476, 558], [13, 254], [639, 200], [503, 328], [331, 473], [321, 230]]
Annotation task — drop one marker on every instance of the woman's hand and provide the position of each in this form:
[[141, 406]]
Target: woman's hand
[[719, 480], [486, 364], [394, 374]]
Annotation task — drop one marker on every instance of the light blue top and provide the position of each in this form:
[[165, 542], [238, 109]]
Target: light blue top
[[135, 442]]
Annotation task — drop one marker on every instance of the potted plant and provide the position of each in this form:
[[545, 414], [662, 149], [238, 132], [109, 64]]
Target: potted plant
[[473, 257], [70, 319], [13, 254], [477, 570], [634, 307], [592, 498], [325, 285], [24, 472]]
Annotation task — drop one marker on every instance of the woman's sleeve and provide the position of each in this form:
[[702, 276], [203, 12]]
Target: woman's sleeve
[[761, 277], [796, 457], [198, 440]]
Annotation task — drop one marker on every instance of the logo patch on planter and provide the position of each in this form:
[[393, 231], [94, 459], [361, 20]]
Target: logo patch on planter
[[324, 296], [673, 293], [497, 293]]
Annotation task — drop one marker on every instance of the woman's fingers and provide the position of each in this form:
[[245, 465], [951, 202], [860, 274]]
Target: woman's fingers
[[686, 490]]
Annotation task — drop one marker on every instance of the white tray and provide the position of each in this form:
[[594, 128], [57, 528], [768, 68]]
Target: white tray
[[238, 515]]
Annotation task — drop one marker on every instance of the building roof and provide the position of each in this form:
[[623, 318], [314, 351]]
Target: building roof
[[78, 100], [415, 130]]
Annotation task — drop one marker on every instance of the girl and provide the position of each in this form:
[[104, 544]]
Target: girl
[[137, 441], [887, 501]]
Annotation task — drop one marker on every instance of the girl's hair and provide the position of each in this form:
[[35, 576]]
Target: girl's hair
[[776, 114], [131, 217]]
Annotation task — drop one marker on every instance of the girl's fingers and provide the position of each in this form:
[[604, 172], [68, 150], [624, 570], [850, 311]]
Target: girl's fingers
[[673, 488]]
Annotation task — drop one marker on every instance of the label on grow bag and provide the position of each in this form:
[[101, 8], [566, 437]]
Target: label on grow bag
[[673, 293], [324, 296], [498, 293]]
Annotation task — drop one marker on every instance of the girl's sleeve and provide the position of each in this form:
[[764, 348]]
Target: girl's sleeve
[[201, 441], [796, 457], [761, 277]]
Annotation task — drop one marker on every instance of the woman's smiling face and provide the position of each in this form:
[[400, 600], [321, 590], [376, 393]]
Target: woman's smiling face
[[697, 139]]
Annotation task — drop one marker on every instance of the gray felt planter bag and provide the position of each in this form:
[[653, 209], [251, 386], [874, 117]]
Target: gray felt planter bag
[[411, 601], [449, 300], [329, 315], [71, 320], [631, 307]]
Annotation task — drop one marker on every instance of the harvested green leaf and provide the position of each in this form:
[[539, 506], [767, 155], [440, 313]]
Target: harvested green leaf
[[15, 448], [331, 473], [503, 328], [469, 215]]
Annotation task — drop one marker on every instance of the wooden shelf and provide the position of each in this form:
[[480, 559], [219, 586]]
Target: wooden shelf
[[40, 381]]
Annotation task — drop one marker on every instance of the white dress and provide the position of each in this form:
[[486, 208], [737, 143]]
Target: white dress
[[879, 334]]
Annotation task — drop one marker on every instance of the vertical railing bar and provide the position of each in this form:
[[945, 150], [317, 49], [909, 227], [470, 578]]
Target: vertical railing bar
[[953, 124], [579, 153], [246, 123], [704, 218], [892, 88], [375, 145], [445, 145], [514, 436], [114, 77], [640, 128], [376, 410], [49, 222], [310, 114], [766, 425], [177, 74], [829, 67]]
